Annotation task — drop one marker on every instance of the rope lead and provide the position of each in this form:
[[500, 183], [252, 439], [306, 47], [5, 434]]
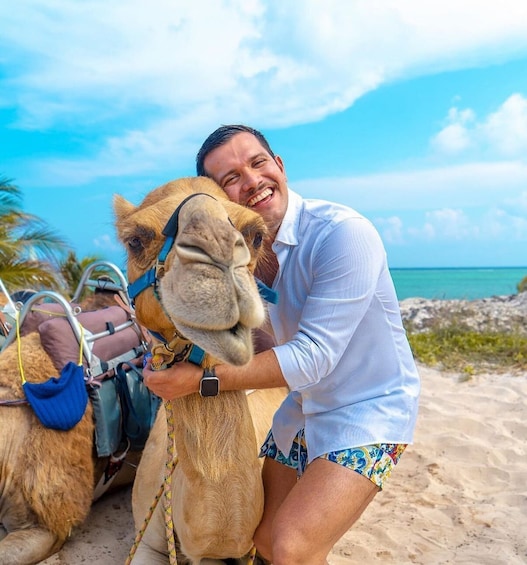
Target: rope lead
[[166, 490]]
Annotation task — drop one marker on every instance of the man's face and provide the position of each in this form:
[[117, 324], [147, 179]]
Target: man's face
[[250, 177]]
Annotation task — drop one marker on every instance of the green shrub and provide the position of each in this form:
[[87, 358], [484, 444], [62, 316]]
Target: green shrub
[[456, 348], [522, 285]]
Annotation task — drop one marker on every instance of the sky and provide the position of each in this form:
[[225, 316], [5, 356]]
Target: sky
[[412, 112]]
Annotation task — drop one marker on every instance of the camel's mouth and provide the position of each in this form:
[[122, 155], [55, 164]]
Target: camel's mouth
[[232, 345]]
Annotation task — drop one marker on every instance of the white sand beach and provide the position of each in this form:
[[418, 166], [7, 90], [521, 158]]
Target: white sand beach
[[458, 495]]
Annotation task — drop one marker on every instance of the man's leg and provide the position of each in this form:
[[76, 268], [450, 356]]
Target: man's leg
[[278, 480], [316, 511]]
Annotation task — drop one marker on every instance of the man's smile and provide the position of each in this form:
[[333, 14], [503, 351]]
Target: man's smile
[[259, 197]]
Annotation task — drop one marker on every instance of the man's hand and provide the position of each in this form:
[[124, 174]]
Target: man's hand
[[177, 381]]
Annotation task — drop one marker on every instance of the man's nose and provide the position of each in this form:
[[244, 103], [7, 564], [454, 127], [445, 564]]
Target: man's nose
[[250, 180]]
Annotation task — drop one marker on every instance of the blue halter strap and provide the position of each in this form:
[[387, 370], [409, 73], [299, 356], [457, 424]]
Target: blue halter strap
[[150, 278]]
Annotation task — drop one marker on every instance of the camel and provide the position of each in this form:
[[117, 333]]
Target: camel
[[202, 292], [47, 476]]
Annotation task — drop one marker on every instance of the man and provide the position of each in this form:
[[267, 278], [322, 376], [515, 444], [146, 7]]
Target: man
[[341, 349]]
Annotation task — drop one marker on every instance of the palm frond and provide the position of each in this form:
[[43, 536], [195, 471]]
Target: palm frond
[[36, 275], [10, 196]]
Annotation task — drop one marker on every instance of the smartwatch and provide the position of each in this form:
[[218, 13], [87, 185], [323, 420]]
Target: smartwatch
[[209, 385]]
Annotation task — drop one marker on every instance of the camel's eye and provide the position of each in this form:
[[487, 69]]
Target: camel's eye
[[140, 239], [254, 234], [257, 241], [135, 244]]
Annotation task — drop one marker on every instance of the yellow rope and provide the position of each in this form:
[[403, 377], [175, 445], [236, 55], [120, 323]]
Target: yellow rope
[[147, 519], [81, 342], [165, 491], [49, 312], [167, 484], [19, 346]]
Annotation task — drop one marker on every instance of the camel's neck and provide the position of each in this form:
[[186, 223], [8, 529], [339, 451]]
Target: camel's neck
[[213, 435]]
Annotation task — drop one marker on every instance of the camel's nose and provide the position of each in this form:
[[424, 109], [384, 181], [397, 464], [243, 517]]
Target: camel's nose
[[207, 238]]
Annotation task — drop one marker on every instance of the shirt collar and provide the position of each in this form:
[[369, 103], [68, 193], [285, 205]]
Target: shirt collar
[[288, 231]]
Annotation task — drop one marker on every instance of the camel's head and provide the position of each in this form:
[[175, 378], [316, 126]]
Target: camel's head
[[198, 265]]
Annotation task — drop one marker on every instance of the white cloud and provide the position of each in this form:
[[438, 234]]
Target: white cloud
[[391, 229], [458, 203], [172, 70], [454, 225], [504, 131], [472, 185], [455, 136], [107, 243], [271, 63], [451, 223], [519, 202], [505, 225], [446, 224]]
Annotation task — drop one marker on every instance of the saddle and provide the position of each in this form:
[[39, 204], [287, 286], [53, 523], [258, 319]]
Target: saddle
[[98, 355]]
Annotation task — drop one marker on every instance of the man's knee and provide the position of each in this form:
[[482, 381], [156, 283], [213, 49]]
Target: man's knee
[[262, 541], [281, 545], [289, 548]]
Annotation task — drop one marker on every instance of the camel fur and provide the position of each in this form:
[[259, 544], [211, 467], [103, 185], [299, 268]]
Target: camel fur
[[207, 293], [47, 476]]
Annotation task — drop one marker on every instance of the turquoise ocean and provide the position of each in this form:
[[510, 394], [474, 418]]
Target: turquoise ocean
[[459, 283]]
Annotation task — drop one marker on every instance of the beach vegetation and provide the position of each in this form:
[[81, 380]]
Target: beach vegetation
[[32, 255], [522, 285], [456, 347], [72, 268], [30, 251]]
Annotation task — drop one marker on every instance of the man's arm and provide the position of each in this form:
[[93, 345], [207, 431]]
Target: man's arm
[[182, 379]]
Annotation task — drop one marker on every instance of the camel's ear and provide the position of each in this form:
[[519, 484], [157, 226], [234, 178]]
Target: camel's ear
[[122, 208]]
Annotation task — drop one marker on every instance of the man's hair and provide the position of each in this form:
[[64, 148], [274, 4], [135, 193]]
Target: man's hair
[[221, 136]]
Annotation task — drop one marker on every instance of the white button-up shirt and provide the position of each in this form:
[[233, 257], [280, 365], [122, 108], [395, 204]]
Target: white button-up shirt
[[340, 340]]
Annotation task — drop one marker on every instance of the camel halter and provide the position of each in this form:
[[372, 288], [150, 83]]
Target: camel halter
[[165, 350], [152, 276]]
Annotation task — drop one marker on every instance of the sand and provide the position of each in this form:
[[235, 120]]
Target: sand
[[458, 495]]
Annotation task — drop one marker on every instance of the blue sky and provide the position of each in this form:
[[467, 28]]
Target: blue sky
[[412, 112]]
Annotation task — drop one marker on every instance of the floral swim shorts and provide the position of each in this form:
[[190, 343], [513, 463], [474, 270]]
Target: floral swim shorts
[[375, 462]]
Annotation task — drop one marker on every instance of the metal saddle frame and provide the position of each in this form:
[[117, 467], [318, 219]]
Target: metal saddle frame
[[71, 311]]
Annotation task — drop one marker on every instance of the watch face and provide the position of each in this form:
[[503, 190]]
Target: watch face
[[209, 386]]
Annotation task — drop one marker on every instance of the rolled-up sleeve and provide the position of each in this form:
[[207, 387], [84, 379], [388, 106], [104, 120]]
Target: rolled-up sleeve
[[327, 288]]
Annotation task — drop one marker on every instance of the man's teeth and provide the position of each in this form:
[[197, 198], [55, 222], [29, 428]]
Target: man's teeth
[[264, 194]]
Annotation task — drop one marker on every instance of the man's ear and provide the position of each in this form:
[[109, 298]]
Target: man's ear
[[280, 163]]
